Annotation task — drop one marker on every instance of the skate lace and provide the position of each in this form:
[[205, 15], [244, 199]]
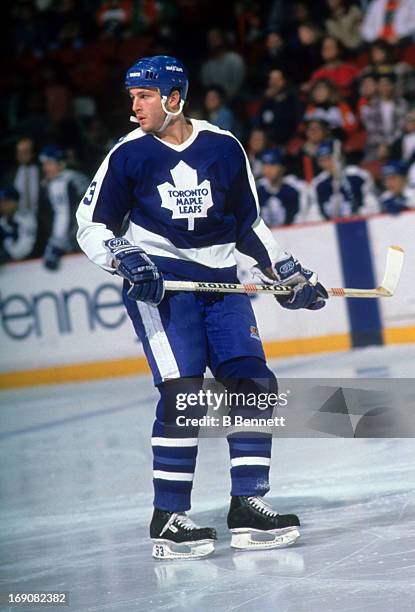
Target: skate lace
[[262, 506], [180, 519], [184, 521]]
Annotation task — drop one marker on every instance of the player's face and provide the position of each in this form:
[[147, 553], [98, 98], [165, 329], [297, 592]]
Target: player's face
[[273, 172], [394, 183], [146, 105], [51, 168], [327, 164]]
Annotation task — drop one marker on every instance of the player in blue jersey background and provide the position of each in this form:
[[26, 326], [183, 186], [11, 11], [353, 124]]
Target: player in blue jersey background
[[63, 188], [187, 193], [398, 195], [282, 199], [339, 190]]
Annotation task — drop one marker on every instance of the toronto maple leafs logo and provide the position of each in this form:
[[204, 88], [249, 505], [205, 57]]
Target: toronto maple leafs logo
[[186, 198]]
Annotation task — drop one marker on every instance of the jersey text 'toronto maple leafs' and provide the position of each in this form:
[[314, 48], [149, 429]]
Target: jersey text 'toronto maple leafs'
[[186, 198]]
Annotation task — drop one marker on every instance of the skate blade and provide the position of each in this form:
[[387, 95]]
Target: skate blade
[[255, 539], [167, 550]]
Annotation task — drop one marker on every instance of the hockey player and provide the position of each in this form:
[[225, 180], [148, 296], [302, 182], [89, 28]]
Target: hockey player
[[63, 188], [340, 191], [282, 199], [190, 198], [399, 196], [17, 228]]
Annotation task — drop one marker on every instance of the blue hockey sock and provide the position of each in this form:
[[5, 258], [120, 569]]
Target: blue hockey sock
[[174, 447], [250, 451]]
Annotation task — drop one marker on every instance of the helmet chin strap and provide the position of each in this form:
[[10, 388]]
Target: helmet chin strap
[[169, 114]]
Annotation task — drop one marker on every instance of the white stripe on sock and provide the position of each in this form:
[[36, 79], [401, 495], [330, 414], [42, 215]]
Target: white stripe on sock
[[236, 461], [173, 441], [182, 476]]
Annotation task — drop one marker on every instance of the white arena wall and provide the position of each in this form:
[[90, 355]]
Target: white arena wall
[[71, 324]]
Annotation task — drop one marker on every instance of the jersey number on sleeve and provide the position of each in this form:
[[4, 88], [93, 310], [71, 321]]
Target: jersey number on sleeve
[[90, 194]]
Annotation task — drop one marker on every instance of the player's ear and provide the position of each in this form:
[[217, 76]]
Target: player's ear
[[173, 101]]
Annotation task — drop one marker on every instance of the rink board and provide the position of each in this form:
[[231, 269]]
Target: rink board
[[72, 325]]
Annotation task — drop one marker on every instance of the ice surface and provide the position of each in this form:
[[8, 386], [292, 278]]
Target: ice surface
[[75, 495]]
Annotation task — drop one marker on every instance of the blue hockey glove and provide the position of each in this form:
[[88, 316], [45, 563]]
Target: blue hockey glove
[[289, 271], [133, 264], [307, 292], [52, 256], [311, 297]]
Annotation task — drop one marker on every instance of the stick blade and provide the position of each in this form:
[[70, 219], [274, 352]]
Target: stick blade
[[394, 262]]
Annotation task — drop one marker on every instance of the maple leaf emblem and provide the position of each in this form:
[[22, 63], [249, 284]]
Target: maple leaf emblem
[[186, 198]]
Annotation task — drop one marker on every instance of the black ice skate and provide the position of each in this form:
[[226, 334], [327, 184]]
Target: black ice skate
[[255, 525], [175, 536]]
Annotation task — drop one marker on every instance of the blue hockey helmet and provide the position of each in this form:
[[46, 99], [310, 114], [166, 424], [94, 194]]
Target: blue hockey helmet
[[161, 71], [394, 167], [52, 152], [273, 156]]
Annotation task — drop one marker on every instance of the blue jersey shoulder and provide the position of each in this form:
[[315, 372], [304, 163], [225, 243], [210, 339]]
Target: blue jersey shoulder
[[204, 133], [140, 154]]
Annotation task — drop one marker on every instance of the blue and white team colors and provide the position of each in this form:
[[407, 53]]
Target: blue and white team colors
[[284, 204], [189, 205], [395, 204], [349, 194], [17, 236], [18, 231], [63, 193]]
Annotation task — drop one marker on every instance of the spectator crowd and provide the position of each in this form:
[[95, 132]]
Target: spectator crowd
[[320, 92]]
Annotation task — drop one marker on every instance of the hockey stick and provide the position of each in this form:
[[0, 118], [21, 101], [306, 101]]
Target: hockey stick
[[394, 263]]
